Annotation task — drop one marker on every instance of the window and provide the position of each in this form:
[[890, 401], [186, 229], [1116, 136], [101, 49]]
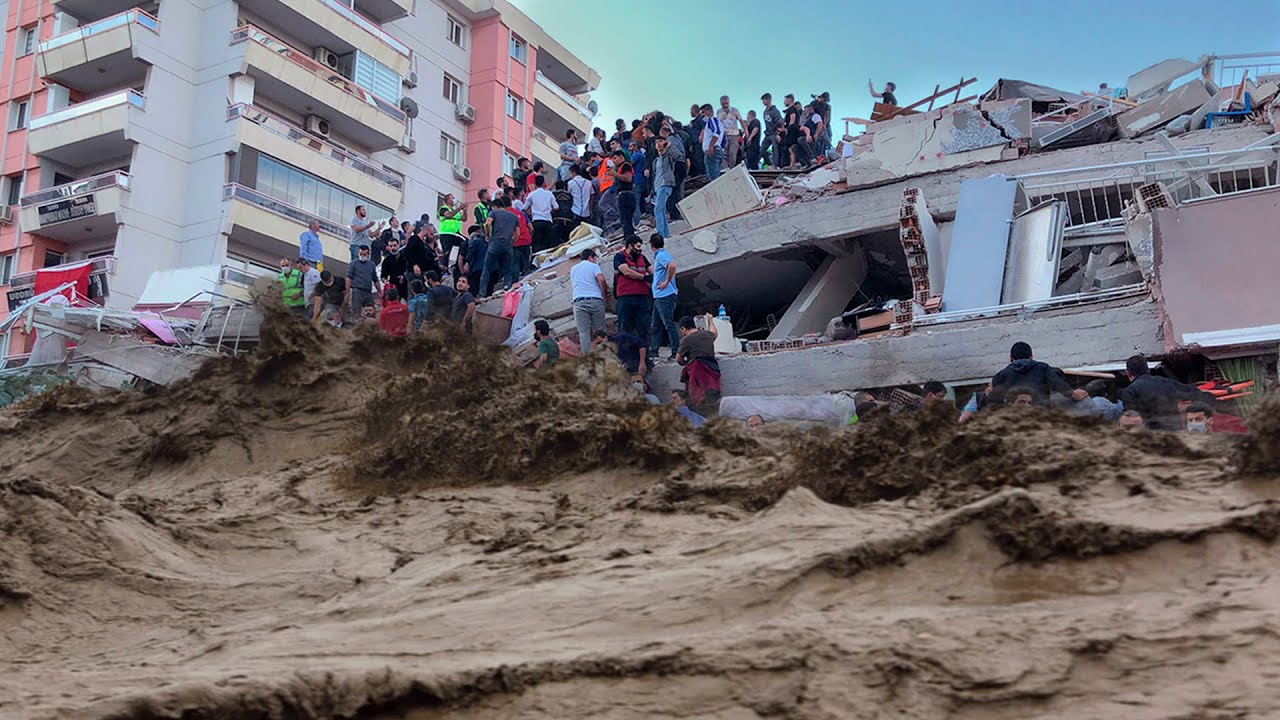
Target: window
[[519, 49], [452, 90], [509, 164], [515, 107], [18, 112], [7, 264], [309, 193], [377, 78], [53, 259], [13, 189], [27, 37], [449, 149], [455, 32]]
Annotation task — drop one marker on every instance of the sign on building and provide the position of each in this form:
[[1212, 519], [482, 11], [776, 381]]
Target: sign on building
[[66, 210]]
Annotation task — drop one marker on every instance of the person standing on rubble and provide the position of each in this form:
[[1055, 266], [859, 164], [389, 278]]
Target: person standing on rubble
[[885, 96], [631, 280], [731, 121], [822, 106], [772, 119], [679, 167], [587, 280], [664, 299], [291, 278], [362, 281], [309, 245], [713, 143], [1025, 372], [1156, 397], [664, 182], [701, 372]]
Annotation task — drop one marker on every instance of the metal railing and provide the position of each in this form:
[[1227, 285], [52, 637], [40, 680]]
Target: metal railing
[[116, 178], [70, 112], [279, 126], [283, 209], [104, 265], [249, 32], [1098, 195], [135, 17], [559, 92], [1032, 306], [1230, 69], [367, 25]]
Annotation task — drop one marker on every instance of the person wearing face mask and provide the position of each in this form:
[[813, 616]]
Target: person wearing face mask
[[362, 281], [1199, 418], [632, 273], [292, 280]]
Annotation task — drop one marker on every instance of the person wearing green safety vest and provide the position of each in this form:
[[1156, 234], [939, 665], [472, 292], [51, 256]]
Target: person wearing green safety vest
[[481, 210], [450, 218], [291, 278]]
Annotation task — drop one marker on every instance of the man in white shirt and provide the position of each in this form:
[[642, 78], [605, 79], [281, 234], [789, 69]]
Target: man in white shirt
[[713, 142], [568, 154], [580, 189], [732, 123], [541, 203], [589, 290]]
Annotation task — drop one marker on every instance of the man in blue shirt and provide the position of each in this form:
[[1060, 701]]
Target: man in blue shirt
[[309, 247], [664, 298], [680, 400]]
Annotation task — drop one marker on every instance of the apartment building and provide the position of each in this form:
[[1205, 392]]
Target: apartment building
[[153, 135]]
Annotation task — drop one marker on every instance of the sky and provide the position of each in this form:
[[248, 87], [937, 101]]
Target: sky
[[668, 54]]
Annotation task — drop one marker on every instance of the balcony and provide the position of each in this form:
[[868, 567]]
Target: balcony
[[290, 77], [333, 25], [277, 137], [273, 226], [384, 11], [77, 213], [555, 111], [92, 132], [98, 56], [22, 287], [87, 11]]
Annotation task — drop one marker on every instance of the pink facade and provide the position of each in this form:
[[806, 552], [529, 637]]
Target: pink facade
[[494, 74]]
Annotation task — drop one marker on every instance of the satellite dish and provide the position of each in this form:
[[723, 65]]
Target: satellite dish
[[409, 107], [594, 107]]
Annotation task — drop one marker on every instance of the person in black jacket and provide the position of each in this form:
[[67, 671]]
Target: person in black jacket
[[392, 270], [1156, 398], [1025, 371]]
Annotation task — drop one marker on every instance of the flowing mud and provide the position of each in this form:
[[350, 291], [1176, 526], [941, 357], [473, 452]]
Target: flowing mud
[[343, 526]]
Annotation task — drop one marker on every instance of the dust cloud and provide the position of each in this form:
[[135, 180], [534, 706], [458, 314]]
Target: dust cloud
[[346, 526]]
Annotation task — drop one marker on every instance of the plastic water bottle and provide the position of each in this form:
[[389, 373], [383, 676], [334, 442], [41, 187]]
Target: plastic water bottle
[[723, 313]]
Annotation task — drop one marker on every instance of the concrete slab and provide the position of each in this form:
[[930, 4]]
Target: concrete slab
[[1154, 80], [1012, 117], [825, 296], [733, 193], [704, 240], [1158, 111], [830, 220], [969, 129], [938, 140], [979, 243], [1069, 337]]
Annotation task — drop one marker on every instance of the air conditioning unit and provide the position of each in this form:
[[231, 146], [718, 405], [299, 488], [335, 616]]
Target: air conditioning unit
[[317, 125], [465, 113], [327, 57], [411, 80], [408, 144], [6, 214], [462, 173]]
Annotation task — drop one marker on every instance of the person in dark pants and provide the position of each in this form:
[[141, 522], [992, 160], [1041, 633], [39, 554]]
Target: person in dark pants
[[680, 165], [622, 182], [500, 261], [632, 275], [751, 140]]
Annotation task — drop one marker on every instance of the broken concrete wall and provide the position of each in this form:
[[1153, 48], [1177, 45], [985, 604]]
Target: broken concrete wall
[[829, 219], [1150, 82], [1160, 110], [938, 140], [733, 193], [916, 220], [1215, 264], [979, 243], [1012, 117], [825, 296], [1068, 337]]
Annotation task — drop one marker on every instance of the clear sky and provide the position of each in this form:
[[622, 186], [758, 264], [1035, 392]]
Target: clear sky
[[667, 54]]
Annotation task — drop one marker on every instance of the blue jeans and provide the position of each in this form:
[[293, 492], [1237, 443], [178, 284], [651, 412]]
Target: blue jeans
[[664, 311], [660, 211], [633, 315], [355, 250], [713, 163], [500, 264], [627, 211]]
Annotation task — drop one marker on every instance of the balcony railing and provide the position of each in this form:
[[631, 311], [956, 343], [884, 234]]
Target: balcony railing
[[137, 17], [560, 93], [283, 209], [288, 131], [104, 265], [249, 32], [117, 178], [368, 26], [129, 97]]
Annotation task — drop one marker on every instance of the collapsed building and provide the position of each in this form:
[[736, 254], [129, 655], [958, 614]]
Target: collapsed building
[[1091, 225]]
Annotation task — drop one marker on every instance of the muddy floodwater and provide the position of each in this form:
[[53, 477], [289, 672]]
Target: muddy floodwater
[[346, 526]]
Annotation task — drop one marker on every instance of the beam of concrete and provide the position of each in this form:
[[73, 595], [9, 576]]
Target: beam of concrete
[[823, 297], [830, 218], [1066, 337]]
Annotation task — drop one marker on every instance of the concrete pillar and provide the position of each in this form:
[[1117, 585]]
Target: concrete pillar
[[823, 297]]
